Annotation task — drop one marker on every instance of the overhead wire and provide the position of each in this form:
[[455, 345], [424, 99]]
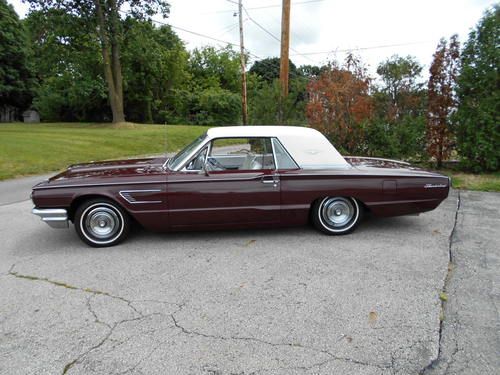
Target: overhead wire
[[266, 6], [259, 58], [272, 35], [364, 48]]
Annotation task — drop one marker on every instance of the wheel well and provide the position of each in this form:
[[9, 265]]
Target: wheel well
[[83, 198]]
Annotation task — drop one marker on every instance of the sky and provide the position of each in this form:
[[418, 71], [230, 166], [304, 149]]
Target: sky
[[324, 30]]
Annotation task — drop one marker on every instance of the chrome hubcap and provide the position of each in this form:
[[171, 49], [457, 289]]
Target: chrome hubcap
[[102, 222], [337, 212]]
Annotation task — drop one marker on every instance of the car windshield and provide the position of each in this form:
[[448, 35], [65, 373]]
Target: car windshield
[[175, 162]]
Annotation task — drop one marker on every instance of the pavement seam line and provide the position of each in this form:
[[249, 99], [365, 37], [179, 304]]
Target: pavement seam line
[[434, 362]]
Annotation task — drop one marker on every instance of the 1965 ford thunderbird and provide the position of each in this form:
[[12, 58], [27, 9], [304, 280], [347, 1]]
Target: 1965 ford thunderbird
[[235, 177]]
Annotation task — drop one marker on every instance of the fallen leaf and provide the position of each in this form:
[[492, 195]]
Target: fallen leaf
[[372, 316]]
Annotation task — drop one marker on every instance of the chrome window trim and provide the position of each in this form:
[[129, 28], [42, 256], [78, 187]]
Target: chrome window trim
[[275, 139], [191, 155], [183, 169], [259, 176], [123, 194], [210, 143]]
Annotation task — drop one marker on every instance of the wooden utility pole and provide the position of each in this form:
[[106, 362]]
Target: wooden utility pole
[[243, 68], [285, 47]]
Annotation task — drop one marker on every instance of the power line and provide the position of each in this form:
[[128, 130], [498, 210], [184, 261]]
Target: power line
[[272, 35], [362, 48], [267, 6], [256, 57]]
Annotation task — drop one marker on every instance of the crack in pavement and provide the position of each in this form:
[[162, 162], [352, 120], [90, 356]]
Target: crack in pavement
[[332, 356], [70, 364], [434, 362], [62, 284], [93, 293]]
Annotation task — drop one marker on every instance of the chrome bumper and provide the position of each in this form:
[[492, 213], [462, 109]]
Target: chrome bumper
[[54, 217]]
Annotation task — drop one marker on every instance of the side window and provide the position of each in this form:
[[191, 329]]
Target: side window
[[283, 160], [241, 154], [197, 163]]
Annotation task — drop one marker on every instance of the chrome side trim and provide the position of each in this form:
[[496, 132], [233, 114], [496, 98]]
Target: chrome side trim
[[100, 184], [211, 179], [54, 217], [126, 194]]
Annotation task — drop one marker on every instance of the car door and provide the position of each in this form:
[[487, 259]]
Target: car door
[[236, 183]]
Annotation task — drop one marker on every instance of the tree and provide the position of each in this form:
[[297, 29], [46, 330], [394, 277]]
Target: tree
[[155, 63], [104, 17], [15, 73], [269, 69], [340, 105], [400, 77], [67, 65], [478, 115], [442, 100], [213, 68], [265, 101]]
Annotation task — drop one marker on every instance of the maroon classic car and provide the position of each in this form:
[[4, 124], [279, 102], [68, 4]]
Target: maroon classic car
[[234, 177]]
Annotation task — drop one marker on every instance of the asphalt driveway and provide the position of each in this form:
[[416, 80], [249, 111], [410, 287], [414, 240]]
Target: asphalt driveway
[[256, 302]]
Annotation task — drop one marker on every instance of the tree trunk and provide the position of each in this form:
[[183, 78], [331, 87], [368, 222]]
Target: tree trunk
[[110, 50]]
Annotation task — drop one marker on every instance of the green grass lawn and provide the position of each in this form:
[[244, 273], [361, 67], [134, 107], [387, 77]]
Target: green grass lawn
[[27, 149], [469, 181]]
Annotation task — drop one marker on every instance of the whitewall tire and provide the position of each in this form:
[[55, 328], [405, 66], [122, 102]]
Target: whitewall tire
[[336, 215], [101, 223]]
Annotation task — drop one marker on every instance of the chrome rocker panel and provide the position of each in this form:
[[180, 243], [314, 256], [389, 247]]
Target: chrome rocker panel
[[54, 217]]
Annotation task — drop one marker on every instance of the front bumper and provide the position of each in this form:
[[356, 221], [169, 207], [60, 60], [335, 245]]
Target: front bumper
[[54, 217]]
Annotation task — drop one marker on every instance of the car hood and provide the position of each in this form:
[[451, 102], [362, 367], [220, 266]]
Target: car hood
[[106, 170]]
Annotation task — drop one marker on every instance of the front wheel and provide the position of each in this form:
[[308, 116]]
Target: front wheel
[[336, 215], [101, 223]]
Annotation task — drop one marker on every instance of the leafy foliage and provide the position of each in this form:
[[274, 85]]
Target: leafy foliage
[[442, 99], [71, 85], [212, 68], [264, 102], [340, 105], [269, 69], [478, 115], [103, 18], [15, 72], [400, 77], [154, 64], [399, 103]]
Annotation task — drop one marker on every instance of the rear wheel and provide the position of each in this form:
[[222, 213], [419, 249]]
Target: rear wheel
[[336, 215], [101, 223]]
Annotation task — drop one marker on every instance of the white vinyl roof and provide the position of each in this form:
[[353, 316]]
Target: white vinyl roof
[[308, 147]]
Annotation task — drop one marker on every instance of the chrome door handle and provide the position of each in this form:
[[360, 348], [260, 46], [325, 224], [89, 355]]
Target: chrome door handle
[[270, 180]]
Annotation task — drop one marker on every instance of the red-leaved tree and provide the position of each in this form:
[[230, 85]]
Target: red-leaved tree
[[339, 104], [442, 101]]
